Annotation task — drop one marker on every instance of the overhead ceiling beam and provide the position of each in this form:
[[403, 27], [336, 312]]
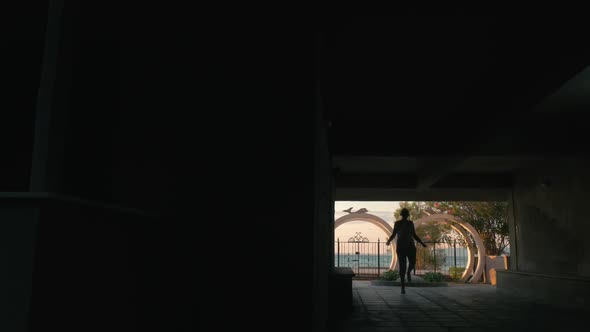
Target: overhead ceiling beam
[[436, 170], [408, 181], [395, 194], [375, 181], [476, 181]]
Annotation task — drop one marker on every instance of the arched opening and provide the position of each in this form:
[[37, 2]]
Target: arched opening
[[376, 221], [468, 233]]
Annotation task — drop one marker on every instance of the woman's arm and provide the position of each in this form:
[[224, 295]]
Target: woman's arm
[[395, 230]]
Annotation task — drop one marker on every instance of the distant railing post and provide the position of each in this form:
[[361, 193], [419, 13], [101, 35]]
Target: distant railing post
[[424, 262], [434, 250], [338, 255], [455, 252], [378, 258], [358, 258]]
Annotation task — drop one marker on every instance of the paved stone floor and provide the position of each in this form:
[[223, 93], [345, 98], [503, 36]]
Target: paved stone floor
[[463, 307]]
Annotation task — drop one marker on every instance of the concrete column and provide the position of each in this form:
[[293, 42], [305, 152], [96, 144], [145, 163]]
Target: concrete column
[[512, 230], [323, 232], [19, 212], [51, 108]]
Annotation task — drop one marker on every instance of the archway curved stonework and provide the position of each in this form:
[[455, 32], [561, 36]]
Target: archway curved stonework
[[462, 227], [466, 230], [373, 219]]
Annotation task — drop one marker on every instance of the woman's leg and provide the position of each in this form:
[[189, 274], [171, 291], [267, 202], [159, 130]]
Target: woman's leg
[[402, 260], [412, 264]]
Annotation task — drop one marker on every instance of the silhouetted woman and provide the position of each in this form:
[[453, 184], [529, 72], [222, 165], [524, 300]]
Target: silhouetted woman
[[405, 248]]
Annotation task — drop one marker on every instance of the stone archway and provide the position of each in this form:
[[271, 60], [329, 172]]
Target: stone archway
[[373, 219], [465, 229]]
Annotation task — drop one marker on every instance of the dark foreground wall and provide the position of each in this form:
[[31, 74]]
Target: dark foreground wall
[[73, 265], [209, 126]]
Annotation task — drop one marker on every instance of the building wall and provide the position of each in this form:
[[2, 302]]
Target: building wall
[[18, 231], [550, 210], [550, 252]]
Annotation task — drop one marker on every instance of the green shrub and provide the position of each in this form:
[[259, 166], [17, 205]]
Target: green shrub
[[456, 273], [433, 276], [391, 275]]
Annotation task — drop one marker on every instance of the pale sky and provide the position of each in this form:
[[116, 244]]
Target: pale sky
[[383, 210]]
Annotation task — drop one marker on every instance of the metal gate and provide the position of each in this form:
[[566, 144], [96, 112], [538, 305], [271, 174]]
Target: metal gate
[[369, 259]]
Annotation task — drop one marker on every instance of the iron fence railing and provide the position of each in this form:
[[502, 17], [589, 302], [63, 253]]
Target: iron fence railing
[[371, 259]]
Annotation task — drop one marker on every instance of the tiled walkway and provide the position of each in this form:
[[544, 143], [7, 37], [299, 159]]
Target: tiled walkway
[[462, 307]]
